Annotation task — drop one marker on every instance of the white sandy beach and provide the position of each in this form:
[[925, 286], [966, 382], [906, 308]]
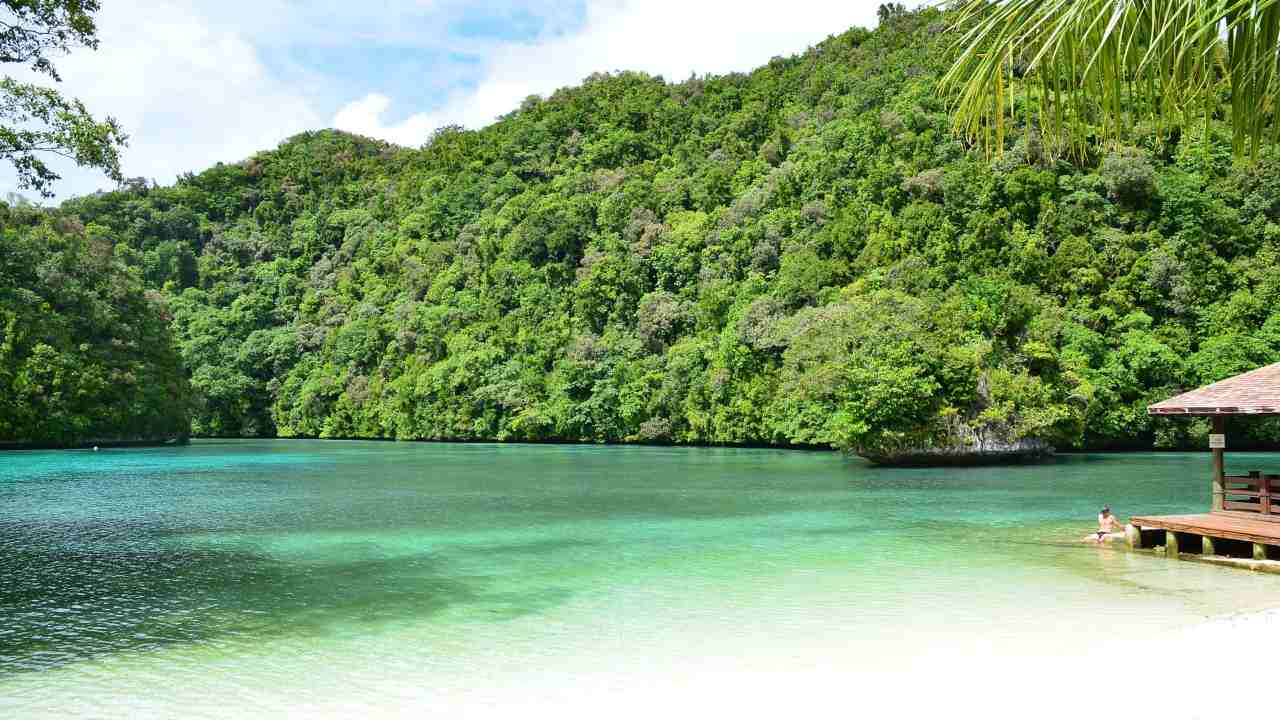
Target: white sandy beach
[[1190, 673], [1171, 676]]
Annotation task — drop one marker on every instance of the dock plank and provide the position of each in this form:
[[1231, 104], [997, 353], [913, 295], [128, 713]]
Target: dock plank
[[1217, 524]]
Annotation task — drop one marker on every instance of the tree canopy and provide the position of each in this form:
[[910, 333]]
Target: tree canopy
[[37, 121], [805, 254], [85, 350]]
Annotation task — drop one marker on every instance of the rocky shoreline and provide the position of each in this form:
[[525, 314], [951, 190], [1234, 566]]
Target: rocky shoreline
[[979, 452]]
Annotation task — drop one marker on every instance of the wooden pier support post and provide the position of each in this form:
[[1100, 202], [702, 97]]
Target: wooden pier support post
[[1219, 474], [1206, 546], [1133, 536], [1171, 543], [1259, 551]]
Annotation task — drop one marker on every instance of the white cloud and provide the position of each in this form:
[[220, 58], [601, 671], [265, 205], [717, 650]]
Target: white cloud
[[189, 91], [672, 38], [364, 116]]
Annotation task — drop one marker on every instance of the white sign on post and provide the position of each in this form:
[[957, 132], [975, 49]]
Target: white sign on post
[[1217, 442]]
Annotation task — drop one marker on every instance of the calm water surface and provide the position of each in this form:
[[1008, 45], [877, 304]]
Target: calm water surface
[[229, 579]]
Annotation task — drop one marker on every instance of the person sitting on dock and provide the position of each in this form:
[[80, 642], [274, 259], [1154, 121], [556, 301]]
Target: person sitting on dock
[[1106, 524]]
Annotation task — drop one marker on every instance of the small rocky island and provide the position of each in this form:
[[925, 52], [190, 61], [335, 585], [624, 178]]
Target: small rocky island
[[982, 451]]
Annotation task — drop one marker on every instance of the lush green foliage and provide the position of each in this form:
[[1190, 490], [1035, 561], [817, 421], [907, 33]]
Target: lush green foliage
[[36, 121], [800, 255], [85, 351]]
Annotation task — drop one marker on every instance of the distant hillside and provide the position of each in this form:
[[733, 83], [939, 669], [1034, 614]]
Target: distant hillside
[[801, 255]]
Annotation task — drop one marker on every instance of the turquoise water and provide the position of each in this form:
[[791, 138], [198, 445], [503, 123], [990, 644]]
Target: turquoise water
[[237, 578]]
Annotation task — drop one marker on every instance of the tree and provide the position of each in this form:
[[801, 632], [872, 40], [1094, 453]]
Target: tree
[[38, 121], [1105, 67], [888, 11]]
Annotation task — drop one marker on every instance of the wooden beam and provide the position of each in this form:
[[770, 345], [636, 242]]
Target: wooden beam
[[1259, 551], [1170, 544], [1219, 483]]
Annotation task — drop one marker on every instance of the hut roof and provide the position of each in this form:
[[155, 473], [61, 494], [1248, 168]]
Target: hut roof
[[1256, 392]]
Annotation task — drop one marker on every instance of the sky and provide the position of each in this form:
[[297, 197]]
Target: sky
[[196, 82]]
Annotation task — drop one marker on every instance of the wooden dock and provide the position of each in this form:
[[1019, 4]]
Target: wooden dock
[[1224, 534], [1242, 526]]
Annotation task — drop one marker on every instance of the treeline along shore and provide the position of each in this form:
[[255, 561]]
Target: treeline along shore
[[805, 254]]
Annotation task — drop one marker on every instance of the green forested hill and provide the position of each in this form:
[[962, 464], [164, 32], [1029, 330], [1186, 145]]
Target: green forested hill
[[85, 352], [801, 255]]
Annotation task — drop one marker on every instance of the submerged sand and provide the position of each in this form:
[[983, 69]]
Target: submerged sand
[[720, 671]]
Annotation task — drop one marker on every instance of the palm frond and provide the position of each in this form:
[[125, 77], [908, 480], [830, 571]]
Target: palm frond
[[1103, 67]]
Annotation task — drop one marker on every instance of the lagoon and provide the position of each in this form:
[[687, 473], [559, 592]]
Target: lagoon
[[326, 578]]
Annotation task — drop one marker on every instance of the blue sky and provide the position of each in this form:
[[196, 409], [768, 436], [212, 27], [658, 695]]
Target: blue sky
[[429, 51], [196, 82]]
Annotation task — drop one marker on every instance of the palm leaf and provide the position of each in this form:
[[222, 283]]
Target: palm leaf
[[1105, 66]]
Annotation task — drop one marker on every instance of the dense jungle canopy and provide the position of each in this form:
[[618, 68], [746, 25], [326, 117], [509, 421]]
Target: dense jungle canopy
[[806, 254]]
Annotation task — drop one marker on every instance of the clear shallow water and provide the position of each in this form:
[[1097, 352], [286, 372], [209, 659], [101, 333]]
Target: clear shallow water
[[228, 579]]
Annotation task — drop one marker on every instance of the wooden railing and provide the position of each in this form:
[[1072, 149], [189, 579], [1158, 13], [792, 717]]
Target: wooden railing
[[1254, 492]]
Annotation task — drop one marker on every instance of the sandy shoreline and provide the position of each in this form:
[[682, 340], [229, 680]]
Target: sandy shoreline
[[1183, 674], [1173, 676]]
